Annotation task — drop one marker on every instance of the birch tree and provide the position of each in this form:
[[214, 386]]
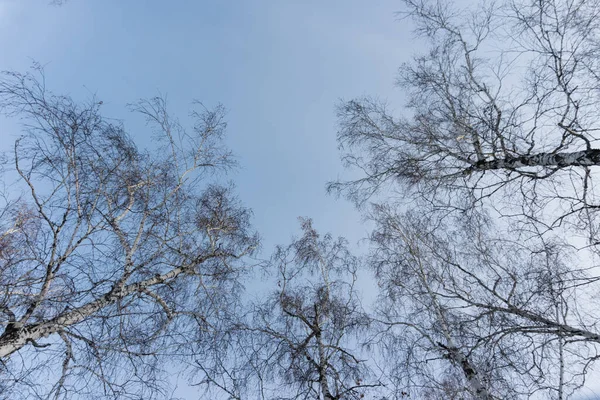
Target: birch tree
[[467, 313], [502, 106], [114, 260], [483, 195], [304, 340]]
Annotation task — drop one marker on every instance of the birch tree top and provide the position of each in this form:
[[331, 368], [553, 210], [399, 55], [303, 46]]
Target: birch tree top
[[113, 258], [121, 264], [503, 105], [480, 192]]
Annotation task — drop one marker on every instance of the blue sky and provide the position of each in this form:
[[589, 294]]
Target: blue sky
[[279, 67]]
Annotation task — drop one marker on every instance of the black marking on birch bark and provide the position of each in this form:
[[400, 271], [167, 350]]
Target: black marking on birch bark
[[584, 158], [471, 374]]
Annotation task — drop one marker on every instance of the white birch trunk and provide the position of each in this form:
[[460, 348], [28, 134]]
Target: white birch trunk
[[584, 158], [15, 336]]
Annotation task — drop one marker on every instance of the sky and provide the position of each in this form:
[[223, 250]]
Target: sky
[[278, 66]]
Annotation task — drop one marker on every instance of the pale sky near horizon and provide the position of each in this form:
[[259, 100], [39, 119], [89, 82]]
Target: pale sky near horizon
[[279, 67]]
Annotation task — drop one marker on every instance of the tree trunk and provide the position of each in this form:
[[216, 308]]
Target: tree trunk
[[471, 374], [584, 158], [15, 336]]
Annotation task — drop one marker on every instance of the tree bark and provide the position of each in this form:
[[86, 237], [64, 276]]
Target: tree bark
[[471, 374], [584, 158], [16, 337]]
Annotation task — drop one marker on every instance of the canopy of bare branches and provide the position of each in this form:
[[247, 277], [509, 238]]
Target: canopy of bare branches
[[122, 265], [483, 194], [113, 258]]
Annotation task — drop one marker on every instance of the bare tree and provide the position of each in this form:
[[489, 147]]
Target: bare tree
[[500, 318], [503, 106], [302, 341], [114, 260], [487, 291]]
